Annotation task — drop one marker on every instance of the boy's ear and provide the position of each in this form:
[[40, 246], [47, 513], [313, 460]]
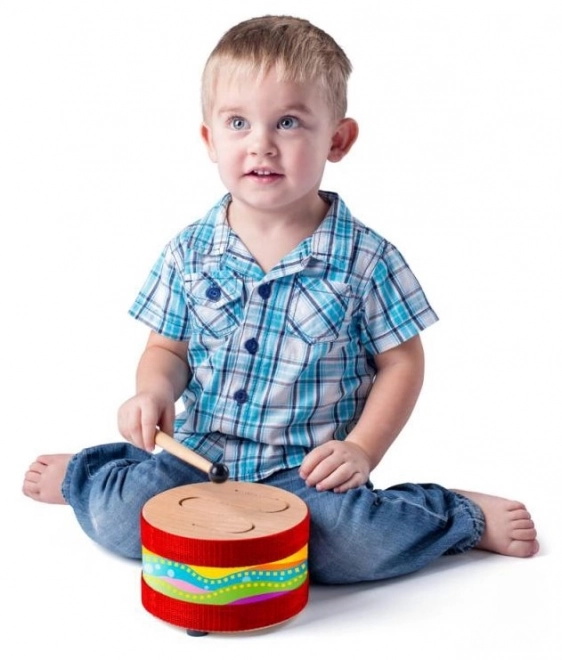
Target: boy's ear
[[344, 137], [208, 140]]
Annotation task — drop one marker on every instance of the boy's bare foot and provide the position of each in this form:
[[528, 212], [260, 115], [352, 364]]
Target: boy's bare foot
[[509, 528], [44, 478]]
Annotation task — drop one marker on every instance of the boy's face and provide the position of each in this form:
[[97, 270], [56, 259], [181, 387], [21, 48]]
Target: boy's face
[[271, 141]]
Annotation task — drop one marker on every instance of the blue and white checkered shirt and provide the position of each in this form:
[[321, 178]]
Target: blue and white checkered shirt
[[283, 361]]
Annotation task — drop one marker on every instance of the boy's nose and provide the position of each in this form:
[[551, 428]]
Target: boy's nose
[[262, 144]]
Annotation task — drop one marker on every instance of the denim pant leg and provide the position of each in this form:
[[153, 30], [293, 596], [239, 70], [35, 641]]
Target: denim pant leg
[[108, 485], [365, 534]]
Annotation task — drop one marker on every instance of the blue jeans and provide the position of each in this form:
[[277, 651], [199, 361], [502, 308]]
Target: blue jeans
[[361, 535]]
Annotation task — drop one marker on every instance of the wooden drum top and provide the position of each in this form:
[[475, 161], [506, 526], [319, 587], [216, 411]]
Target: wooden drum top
[[224, 511]]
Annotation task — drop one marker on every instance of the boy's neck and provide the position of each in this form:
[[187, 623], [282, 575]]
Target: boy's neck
[[271, 236]]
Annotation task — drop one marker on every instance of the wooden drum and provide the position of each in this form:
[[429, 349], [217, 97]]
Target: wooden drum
[[225, 557]]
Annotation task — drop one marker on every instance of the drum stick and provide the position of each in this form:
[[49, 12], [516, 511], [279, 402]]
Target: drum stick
[[217, 472]]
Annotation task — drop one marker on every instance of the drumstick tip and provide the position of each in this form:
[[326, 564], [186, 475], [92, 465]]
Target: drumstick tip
[[218, 473]]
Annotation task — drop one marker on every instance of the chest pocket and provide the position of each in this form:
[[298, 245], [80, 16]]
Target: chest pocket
[[318, 309], [215, 303]]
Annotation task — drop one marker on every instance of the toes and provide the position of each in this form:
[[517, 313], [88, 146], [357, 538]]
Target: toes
[[525, 523], [30, 488], [515, 504], [519, 516], [536, 547], [32, 477], [524, 534], [37, 467], [527, 549]]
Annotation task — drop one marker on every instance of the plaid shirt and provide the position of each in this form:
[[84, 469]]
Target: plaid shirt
[[283, 361]]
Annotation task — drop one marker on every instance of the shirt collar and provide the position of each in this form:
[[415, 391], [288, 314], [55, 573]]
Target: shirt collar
[[331, 241]]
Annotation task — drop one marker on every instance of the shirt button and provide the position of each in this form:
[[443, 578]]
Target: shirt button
[[264, 290], [251, 346], [213, 293], [240, 396]]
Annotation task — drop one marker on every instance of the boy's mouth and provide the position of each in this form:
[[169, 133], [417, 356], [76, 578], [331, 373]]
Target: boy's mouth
[[263, 174]]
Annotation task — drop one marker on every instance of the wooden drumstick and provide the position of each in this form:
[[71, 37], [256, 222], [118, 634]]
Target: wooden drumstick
[[217, 472]]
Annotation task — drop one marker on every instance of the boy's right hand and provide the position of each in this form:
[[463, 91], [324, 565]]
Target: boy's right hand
[[139, 417]]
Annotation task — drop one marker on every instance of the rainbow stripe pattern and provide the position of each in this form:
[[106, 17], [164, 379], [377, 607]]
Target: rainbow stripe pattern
[[224, 586]]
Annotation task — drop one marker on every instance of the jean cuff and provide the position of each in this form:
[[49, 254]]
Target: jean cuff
[[65, 486], [475, 515]]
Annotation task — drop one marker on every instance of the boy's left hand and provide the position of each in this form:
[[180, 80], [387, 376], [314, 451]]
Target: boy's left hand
[[336, 466]]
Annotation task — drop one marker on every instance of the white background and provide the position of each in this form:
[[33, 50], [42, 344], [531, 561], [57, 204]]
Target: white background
[[458, 163]]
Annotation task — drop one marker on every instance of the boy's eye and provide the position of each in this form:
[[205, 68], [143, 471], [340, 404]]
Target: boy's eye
[[288, 122], [237, 123]]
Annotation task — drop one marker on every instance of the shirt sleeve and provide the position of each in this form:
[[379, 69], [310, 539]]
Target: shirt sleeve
[[395, 307], [160, 303]]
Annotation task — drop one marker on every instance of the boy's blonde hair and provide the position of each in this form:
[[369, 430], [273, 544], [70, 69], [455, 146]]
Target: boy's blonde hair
[[296, 49]]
